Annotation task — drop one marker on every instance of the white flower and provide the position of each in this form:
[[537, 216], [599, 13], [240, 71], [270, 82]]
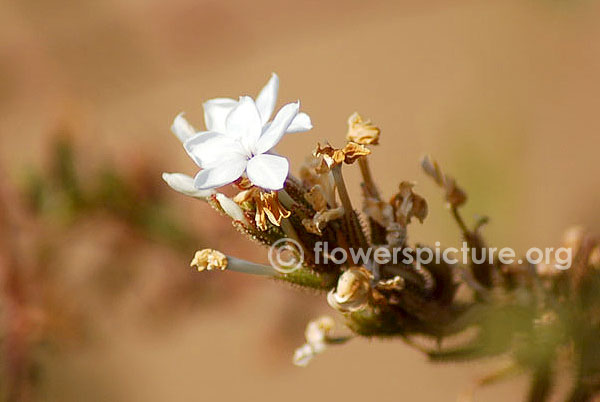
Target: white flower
[[318, 337], [242, 148], [239, 139]]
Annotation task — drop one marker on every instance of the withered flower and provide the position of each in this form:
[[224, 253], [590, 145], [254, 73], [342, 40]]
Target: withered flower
[[353, 290], [362, 131], [407, 204], [316, 199], [335, 156], [209, 259], [454, 194], [380, 211], [267, 206]]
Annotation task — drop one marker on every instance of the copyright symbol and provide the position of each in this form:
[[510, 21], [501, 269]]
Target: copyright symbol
[[286, 255]]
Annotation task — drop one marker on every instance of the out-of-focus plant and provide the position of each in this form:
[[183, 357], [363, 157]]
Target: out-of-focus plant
[[114, 215], [536, 314]]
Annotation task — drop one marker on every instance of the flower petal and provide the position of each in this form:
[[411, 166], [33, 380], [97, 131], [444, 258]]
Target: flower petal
[[216, 112], [243, 123], [271, 136], [230, 207], [267, 98], [300, 124], [209, 149], [181, 128], [185, 184], [268, 171], [221, 175]]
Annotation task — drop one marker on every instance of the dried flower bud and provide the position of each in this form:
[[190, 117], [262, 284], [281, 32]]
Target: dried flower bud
[[362, 131], [334, 156], [209, 259], [408, 204], [454, 194], [352, 292]]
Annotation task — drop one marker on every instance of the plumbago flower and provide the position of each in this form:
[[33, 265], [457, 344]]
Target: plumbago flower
[[526, 313], [239, 140]]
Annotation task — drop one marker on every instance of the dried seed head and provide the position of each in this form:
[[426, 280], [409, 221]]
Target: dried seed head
[[362, 131], [353, 290], [209, 259]]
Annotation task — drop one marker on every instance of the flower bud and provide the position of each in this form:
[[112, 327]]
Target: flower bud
[[352, 292], [209, 259]]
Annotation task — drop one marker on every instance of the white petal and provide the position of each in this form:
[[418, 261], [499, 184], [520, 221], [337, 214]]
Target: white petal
[[216, 112], [181, 128], [268, 171], [185, 184], [231, 208], [243, 123], [271, 136], [303, 355], [300, 124], [209, 149], [267, 98], [228, 172]]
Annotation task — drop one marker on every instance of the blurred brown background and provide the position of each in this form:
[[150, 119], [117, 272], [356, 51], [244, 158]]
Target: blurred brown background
[[503, 93]]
